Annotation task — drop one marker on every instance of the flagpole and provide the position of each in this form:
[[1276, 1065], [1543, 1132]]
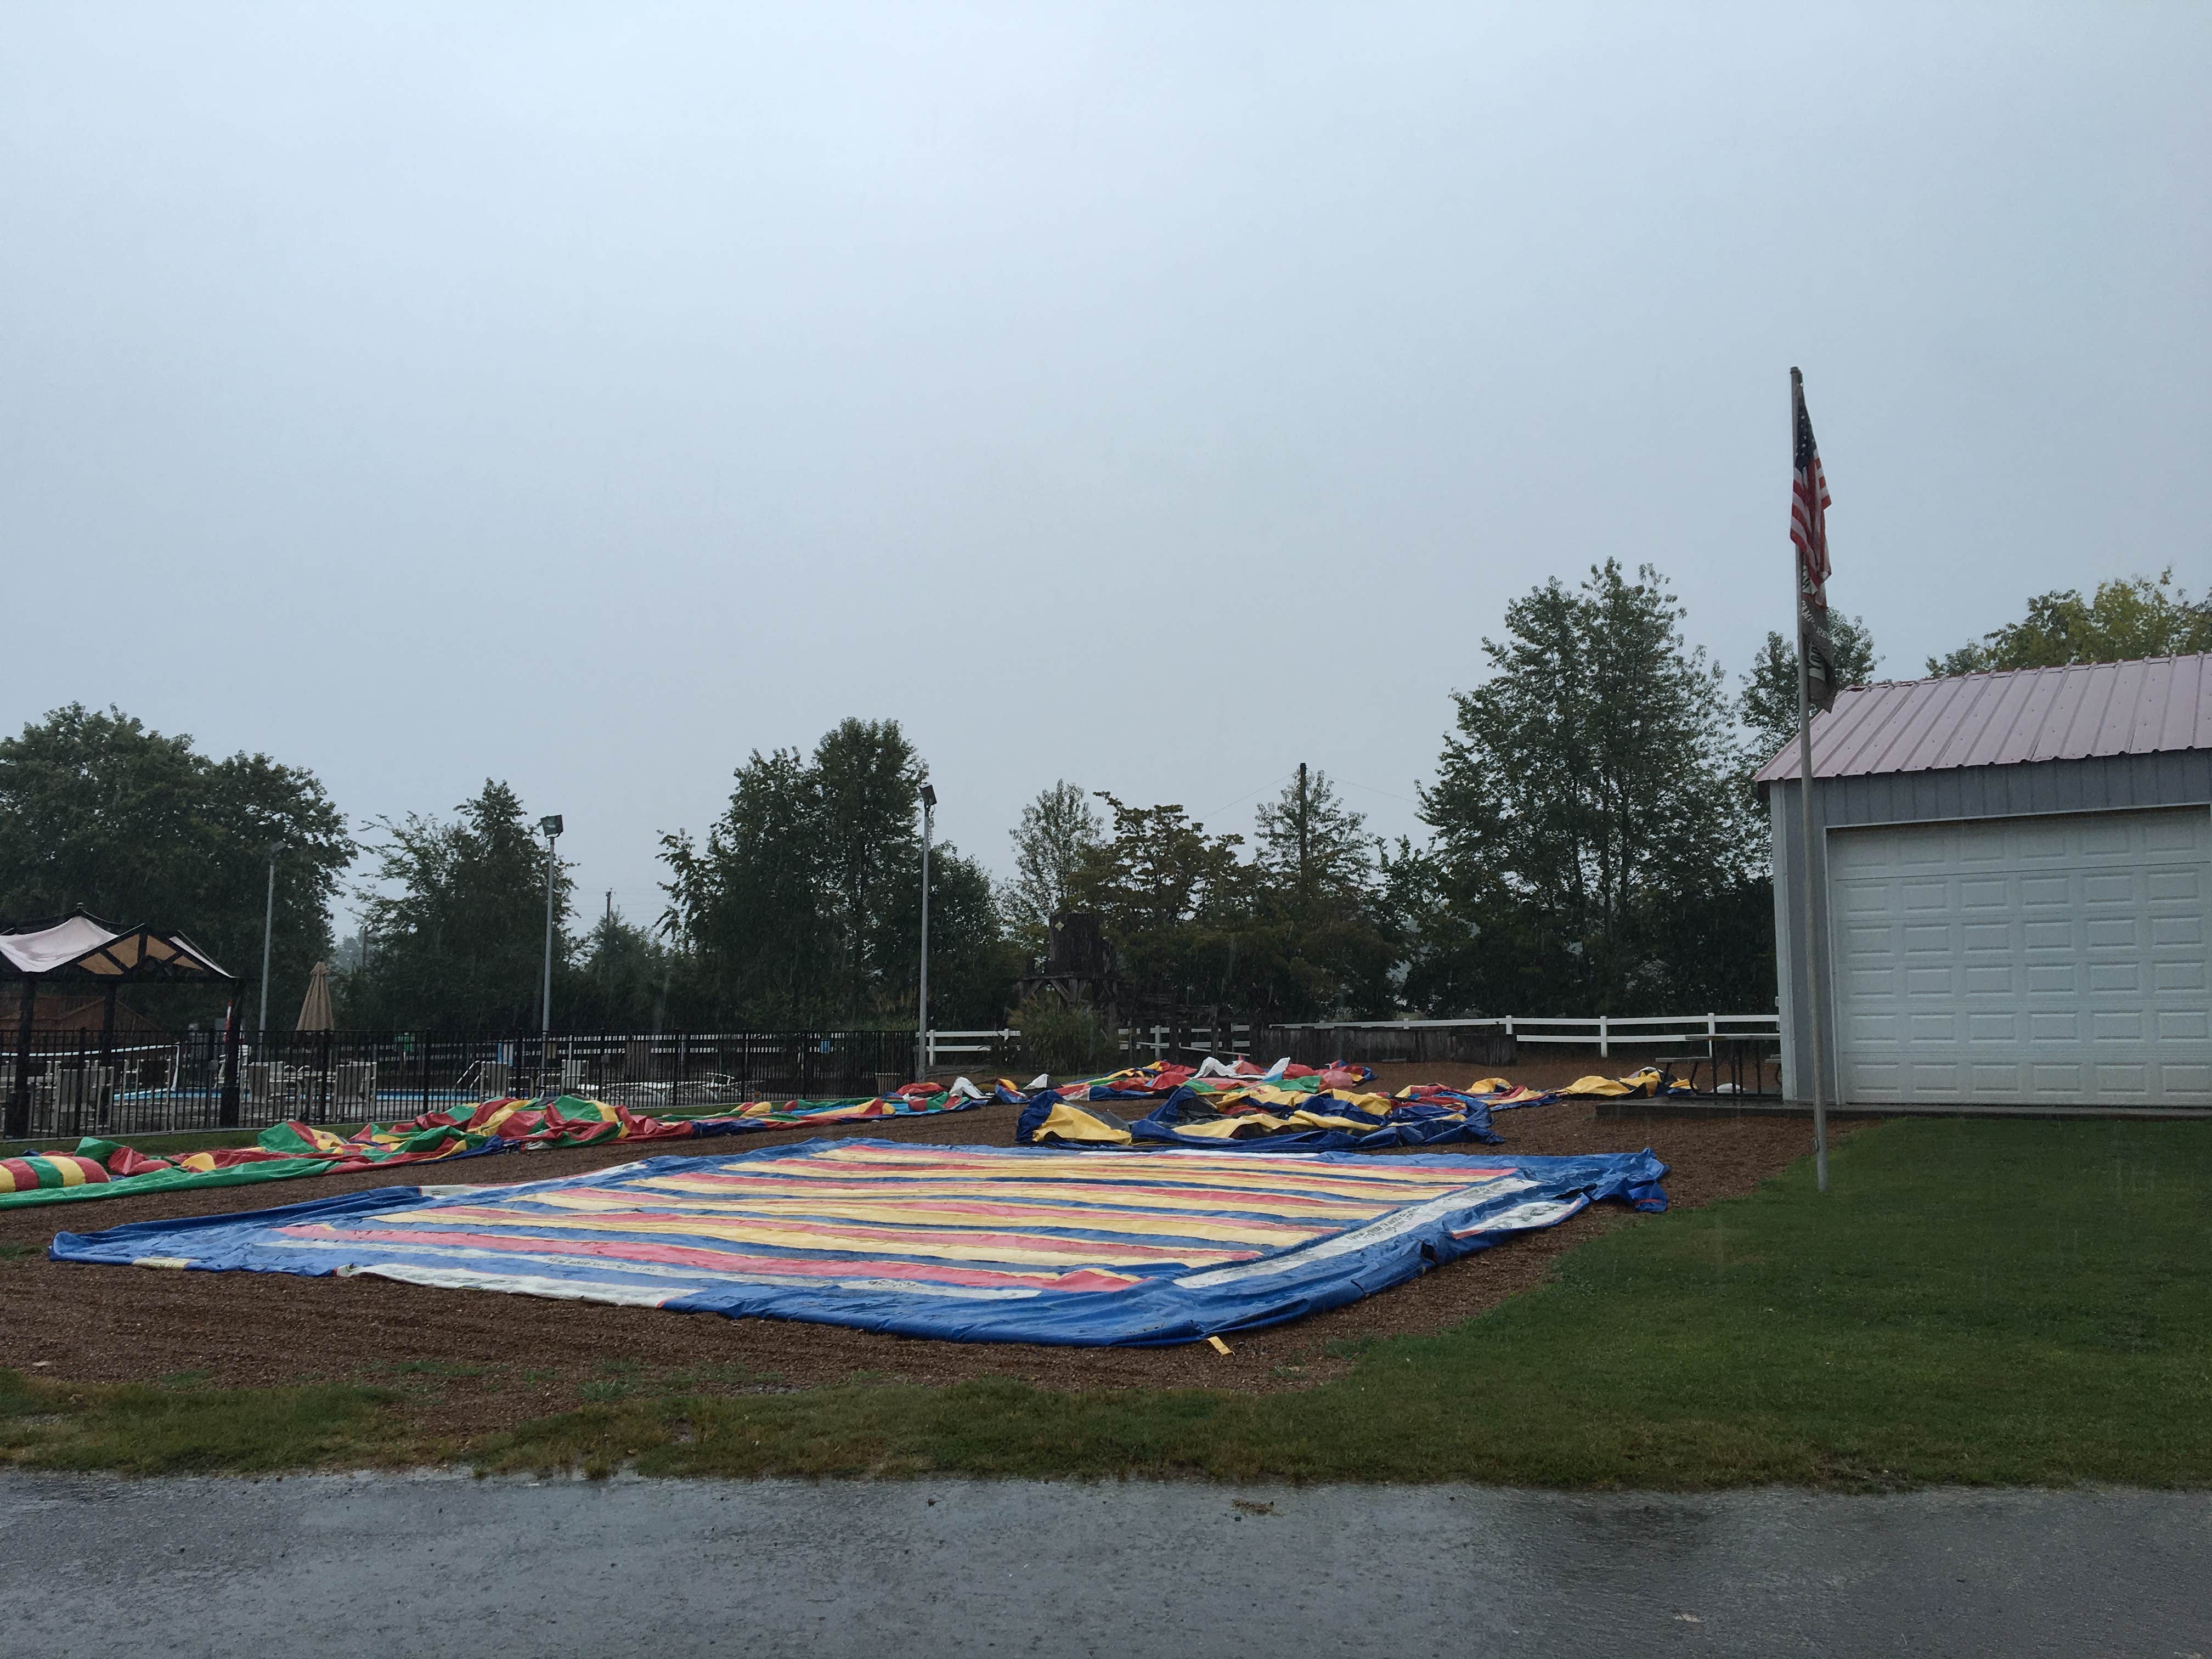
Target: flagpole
[[1805, 830]]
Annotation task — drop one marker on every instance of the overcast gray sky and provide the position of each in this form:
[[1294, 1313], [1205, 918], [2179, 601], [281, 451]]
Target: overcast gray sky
[[1151, 396]]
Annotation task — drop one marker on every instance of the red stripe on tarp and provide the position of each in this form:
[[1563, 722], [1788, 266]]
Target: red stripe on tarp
[[860, 1235], [682, 1256], [1209, 1199]]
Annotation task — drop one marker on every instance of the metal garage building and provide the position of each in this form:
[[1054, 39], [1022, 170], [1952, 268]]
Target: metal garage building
[[2011, 873]]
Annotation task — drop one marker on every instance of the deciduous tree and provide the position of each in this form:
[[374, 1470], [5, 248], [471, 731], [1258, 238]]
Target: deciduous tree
[[460, 946], [1586, 810], [99, 810], [2129, 618], [1059, 830]]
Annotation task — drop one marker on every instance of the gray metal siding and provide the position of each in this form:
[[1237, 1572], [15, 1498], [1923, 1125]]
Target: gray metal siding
[[2104, 783]]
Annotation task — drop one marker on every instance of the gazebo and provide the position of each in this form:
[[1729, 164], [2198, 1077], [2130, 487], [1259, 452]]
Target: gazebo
[[82, 948]]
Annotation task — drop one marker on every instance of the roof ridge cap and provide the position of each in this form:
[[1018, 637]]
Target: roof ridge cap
[[2041, 668]]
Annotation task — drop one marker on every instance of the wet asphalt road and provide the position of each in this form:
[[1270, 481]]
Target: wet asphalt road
[[444, 1564]]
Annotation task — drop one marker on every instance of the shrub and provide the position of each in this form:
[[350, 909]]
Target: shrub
[[1063, 1038]]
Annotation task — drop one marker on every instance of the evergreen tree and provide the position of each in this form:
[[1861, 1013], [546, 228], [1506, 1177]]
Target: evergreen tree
[[1311, 844], [1322, 948]]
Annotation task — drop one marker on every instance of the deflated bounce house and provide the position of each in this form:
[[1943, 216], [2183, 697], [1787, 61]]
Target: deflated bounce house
[[1286, 1107], [1239, 1198]]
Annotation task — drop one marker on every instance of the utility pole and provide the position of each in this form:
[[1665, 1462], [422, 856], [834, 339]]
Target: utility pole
[[550, 826], [1302, 830], [921, 1026], [268, 935]]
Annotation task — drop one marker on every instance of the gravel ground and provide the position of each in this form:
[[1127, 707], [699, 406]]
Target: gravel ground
[[122, 1324]]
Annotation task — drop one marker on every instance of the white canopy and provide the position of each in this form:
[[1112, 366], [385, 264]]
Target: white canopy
[[86, 945]]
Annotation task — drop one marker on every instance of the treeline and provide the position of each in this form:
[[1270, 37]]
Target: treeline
[[1592, 846]]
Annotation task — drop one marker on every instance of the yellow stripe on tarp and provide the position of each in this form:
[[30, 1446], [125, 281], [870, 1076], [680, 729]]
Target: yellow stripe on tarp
[[1289, 1205], [1254, 1171], [902, 1212], [1012, 1245]]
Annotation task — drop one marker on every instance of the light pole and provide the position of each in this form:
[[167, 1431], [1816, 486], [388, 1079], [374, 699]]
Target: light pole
[[922, 1029], [268, 934], [550, 827]]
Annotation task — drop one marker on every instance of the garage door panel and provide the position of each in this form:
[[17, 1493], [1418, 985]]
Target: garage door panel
[[2055, 960], [2114, 887], [2170, 835], [2112, 933], [2173, 887]]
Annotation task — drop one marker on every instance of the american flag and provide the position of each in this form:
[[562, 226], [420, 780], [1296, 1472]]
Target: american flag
[[1809, 499], [1808, 533]]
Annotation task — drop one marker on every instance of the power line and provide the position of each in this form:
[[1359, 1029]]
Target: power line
[[1280, 777], [1372, 790]]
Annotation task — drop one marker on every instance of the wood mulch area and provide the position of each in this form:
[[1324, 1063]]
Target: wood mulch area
[[523, 1356]]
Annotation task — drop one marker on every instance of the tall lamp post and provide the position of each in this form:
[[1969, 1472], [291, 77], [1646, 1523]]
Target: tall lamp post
[[268, 934], [921, 1028], [550, 827]]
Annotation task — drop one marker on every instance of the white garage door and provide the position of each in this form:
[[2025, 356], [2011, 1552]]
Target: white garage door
[[2043, 961]]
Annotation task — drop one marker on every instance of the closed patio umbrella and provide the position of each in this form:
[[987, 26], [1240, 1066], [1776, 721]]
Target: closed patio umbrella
[[315, 1010]]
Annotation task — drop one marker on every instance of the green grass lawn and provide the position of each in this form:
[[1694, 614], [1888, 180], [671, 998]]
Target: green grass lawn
[[2022, 1303]]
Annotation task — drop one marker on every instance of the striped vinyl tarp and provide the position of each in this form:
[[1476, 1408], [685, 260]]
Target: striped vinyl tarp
[[967, 1243]]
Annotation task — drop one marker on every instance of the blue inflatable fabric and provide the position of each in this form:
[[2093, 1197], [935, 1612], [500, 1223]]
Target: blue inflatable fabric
[[970, 1243]]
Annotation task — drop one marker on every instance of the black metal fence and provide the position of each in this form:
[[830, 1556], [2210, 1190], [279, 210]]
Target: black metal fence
[[145, 1083]]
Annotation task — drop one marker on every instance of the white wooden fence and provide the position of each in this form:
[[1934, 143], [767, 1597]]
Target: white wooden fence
[[1602, 1032]]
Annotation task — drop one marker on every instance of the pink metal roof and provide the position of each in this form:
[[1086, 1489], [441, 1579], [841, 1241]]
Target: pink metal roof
[[2144, 708]]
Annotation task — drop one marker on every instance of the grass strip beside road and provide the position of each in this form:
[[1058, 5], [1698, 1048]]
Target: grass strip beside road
[[1975, 1301]]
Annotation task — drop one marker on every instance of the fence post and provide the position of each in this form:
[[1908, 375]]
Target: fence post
[[1604, 1038], [225, 1115]]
